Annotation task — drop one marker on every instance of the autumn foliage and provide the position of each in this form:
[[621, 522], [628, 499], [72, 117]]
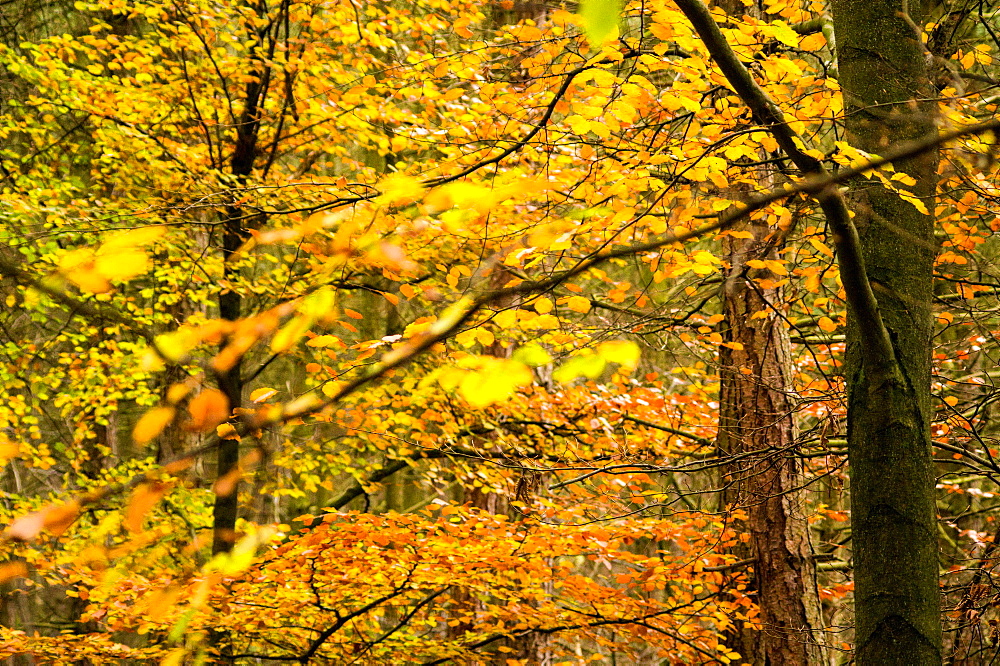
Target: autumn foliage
[[476, 252]]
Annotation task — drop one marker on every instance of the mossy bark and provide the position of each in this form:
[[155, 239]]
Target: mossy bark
[[883, 75]]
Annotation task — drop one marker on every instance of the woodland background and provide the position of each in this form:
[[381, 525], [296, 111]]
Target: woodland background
[[508, 332]]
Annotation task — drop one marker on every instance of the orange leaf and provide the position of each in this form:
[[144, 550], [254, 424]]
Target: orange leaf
[[159, 602], [152, 424], [208, 409], [226, 484], [143, 499], [827, 324], [178, 465], [57, 519], [10, 570]]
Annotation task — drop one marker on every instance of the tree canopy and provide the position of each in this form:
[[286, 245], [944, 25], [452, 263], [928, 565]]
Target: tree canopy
[[343, 331]]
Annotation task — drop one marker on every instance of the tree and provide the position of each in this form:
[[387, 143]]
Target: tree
[[885, 82], [384, 259]]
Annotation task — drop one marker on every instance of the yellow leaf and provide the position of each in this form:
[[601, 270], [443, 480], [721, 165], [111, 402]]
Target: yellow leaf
[[133, 238], [578, 124], [484, 337], [466, 338], [8, 450], [543, 306], [174, 658], [777, 267], [57, 519], [600, 20], [177, 392], [323, 341], [227, 431], [951, 401], [262, 394], [122, 264], [290, 333], [623, 352], [578, 304], [400, 189], [505, 318], [600, 129], [494, 381], [78, 267], [159, 602], [152, 424], [827, 324], [822, 247], [784, 34]]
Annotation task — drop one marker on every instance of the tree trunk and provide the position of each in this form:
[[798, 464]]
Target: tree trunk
[[757, 419], [884, 79], [234, 234]]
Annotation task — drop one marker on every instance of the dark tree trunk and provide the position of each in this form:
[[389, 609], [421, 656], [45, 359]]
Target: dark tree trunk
[[884, 80], [234, 234]]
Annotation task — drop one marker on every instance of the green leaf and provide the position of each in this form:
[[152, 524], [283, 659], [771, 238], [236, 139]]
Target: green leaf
[[600, 19]]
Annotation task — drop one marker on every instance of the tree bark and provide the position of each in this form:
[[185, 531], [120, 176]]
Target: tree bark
[[883, 75], [234, 234], [756, 419]]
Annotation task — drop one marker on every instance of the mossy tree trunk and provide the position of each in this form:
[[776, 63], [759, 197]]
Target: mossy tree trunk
[[883, 75]]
